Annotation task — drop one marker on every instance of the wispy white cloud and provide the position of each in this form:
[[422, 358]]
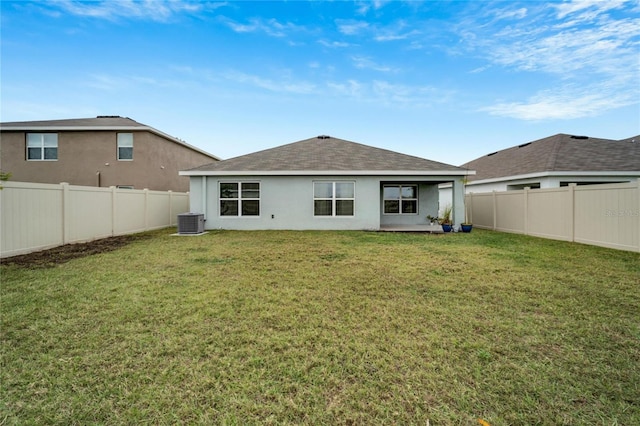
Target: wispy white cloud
[[363, 62], [414, 96], [588, 9], [334, 44], [286, 85], [366, 6], [351, 27], [382, 92], [350, 88], [566, 102], [132, 9], [127, 82], [105, 82], [599, 49], [511, 13], [398, 30], [589, 53], [271, 27], [389, 35]]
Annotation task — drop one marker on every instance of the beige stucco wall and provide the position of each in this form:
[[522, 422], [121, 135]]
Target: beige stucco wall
[[89, 158]]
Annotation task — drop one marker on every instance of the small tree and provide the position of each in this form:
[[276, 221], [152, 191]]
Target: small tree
[[4, 176]]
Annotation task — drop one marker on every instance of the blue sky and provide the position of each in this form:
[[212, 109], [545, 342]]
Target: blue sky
[[444, 80]]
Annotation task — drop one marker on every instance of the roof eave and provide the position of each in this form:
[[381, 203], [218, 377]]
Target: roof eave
[[327, 173], [551, 173]]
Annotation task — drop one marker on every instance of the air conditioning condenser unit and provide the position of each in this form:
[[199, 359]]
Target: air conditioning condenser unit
[[190, 223]]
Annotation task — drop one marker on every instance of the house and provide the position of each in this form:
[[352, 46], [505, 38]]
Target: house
[[322, 183], [103, 151], [557, 161], [553, 162]]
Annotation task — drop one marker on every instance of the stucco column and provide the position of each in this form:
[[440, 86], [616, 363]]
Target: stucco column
[[457, 197]]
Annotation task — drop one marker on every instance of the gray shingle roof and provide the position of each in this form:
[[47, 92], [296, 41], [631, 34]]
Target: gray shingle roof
[[559, 153], [324, 153], [100, 121]]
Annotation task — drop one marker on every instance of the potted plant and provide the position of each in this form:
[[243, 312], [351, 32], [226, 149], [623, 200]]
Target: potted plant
[[432, 219], [445, 220]]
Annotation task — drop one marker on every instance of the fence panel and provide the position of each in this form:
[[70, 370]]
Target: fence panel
[[609, 216], [480, 208], [30, 217], [130, 206], [549, 213], [158, 204], [37, 216], [88, 213], [604, 215], [509, 211], [179, 204]]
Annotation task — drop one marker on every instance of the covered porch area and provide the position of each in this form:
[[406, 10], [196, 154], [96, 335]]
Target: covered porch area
[[407, 204]]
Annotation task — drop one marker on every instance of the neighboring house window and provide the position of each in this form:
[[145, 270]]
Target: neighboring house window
[[333, 198], [400, 199], [125, 146], [42, 146], [239, 199]]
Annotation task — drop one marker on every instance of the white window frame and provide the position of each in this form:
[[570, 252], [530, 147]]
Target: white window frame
[[334, 199], [124, 143], [401, 199], [33, 143], [239, 199]]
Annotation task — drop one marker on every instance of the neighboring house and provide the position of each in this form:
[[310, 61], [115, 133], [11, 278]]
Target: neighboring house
[[322, 183], [553, 162], [103, 151]]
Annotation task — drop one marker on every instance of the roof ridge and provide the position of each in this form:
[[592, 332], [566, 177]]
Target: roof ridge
[[553, 152]]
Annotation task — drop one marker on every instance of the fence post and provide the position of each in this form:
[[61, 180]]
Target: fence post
[[66, 213], [495, 213], [526, 209], [572, 203], [638, 211], [114, 209], [146, 209], [170, 205]]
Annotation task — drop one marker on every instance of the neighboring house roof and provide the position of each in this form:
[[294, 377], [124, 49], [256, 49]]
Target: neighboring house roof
[[325, 155], [99, 123], [560, 153]]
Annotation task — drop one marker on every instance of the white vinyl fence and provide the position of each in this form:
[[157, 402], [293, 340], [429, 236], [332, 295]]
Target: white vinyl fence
[[35, 216], [602, 215]]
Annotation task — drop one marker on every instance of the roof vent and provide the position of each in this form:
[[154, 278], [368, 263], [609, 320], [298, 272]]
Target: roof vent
[[524, 144], [579, 137], [324, 137], [493, 153], [108, 116]]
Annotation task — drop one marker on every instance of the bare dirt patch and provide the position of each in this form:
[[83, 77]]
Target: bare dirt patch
[[58, 255]]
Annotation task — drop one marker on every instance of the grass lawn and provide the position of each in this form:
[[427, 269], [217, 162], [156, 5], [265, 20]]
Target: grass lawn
[[325, 328]]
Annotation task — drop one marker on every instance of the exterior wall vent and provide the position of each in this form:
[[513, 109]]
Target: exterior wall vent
[[190, 223]]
